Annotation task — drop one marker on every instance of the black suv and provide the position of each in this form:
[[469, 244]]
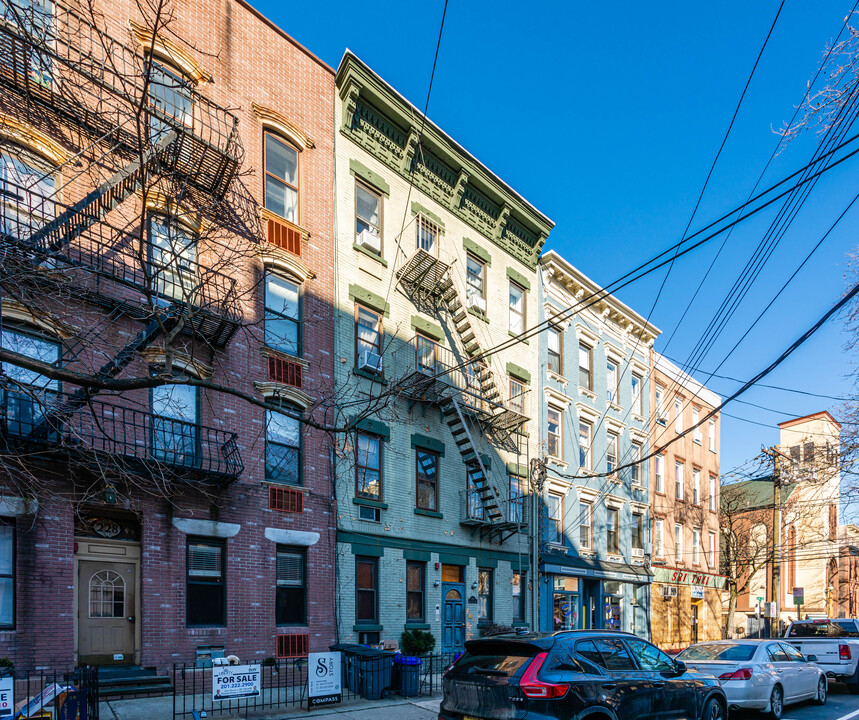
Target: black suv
[[574, 675]]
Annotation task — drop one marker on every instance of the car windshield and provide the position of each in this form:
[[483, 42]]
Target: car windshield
[[500, 664], [824, 628], [718, 651]]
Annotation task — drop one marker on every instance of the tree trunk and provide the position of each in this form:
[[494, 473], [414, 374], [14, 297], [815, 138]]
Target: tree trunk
[[732, 607]]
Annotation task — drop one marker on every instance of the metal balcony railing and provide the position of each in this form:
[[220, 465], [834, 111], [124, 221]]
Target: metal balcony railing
[[103, 262], [474, 514], [55, 55], [40, 419], [429, 371]]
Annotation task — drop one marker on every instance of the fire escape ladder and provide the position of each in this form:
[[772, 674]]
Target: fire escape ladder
[[458, 424], [77, 219]]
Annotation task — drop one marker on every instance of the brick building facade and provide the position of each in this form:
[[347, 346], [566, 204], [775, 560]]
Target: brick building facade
[[141, 525]]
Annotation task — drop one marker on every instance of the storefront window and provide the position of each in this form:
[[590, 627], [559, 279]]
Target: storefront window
[[613, 605], [566, 603]]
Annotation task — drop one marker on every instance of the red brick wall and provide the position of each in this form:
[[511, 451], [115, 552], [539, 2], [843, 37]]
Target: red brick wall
[[251, 62]]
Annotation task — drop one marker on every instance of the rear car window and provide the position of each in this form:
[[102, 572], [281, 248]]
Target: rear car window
[[718, 651], [505, 665], [823, 628]]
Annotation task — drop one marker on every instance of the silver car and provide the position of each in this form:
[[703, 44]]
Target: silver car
[[760, 675]]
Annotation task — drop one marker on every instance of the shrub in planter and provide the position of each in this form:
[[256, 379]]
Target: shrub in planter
[[416, 642]]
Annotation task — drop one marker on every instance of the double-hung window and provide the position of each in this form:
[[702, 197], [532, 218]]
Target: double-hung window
[[696, 546], [635, 470], [175, 424], [24, 409], [637, 405], [613, 531], [586, 377], [368, 218], [368, 336], [637, 531], [426, 472], [712, 497], [696, 418], [366, 589], [678, 543], [517, 308], [678, 480], [555, 512], [484, 594], [291, 590], [173, 264], [518, 586], [696, 486], [283, 446], [517, 499], [281, 178], [368, 466], [282, 314], [659, 473], [7, 576], [659, 537], [427, 234], [27, 189], [206, 588], [678, 414], [711, 434], [660, 404], [611, 394], [415, 576], [171, 103], [475, 283], [554, 444], [711, 550], [553, 336], [586, 511], [586, 432], [611, 455], [517, 396], [36, 19]]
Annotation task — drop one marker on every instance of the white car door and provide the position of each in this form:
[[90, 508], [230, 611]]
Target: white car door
[[806, 673], [786, 670]]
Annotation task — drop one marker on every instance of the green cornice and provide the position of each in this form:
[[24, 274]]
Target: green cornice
[[376, 427], [382, 122], [518, 470], [478, 251], [519, 372], [370, 299], [418, 209], [373, 178], [428, 443], [427, 328]]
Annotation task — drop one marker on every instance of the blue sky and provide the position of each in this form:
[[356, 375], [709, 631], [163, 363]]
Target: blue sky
[[607, 116]]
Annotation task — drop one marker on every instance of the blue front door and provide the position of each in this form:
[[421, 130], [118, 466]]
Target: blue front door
[[453, 617]]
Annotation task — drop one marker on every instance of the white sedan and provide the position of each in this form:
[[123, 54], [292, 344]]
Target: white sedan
[[760, 675]]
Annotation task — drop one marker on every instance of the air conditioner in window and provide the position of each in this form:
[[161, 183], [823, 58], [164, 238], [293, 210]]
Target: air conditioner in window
[[477, 302], [371, 241], [638, 552], [669, 591], [373, 514], [369, 360]]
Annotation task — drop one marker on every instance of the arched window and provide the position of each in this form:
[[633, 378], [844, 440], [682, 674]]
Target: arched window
[[25, 393], [173, 265], [27, 191], [283, 446], [281, 178], [282, 313], [106, 595]]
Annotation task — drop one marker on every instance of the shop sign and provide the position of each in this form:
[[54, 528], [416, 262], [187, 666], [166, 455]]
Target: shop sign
[[685, 577], [798, 596], [235, 682], [323, 679], [697, 592], [7, 695]]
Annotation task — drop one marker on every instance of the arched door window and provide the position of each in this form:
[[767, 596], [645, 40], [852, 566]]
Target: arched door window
[[106, 595]]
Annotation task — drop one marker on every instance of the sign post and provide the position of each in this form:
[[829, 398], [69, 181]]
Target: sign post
[[235, 682], [323, 679], [798, 599]]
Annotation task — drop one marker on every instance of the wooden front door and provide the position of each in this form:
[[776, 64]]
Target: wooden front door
[[453, 618], [106, 602]]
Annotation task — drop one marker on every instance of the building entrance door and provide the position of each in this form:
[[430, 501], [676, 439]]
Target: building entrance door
[[106, 602], [694, 621], [452, 617]]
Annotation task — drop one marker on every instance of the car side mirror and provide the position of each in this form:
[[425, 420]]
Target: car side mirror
[[679, 667], [811, 658]]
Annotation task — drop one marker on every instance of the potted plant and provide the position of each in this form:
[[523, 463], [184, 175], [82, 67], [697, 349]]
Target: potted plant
[[413, 644]]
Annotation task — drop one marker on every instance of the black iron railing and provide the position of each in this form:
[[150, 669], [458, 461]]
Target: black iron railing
[[56, 55], [55, 422], [70, 695]]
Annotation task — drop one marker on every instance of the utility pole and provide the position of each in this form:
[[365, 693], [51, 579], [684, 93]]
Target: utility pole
[[538, 481], [775, 585]]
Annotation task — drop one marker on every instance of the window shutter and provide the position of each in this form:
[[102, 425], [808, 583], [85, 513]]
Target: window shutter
[[204, 560], [290, 569]]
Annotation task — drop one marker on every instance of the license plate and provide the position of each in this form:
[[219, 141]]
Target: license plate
[[469, 717]]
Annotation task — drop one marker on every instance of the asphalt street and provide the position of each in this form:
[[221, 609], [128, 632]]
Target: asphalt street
[[840, 705]]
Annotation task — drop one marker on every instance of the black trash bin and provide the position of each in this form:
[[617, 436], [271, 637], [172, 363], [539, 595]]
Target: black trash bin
[[367, 670], [407, 675]]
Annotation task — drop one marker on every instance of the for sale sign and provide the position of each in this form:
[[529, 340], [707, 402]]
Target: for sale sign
[[323, 679], [235, 682], [7, 695]]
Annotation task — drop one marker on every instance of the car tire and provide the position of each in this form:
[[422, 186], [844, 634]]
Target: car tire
[[713, 710], [822, 687], [776, 707]]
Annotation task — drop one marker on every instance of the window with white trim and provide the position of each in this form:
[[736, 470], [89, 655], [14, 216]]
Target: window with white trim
[[659, 537], [696, 418], [712, 500], [696, 486], [678, 480], [678, 543], [696, 546], [678, 415], [659, 473], [281, 178]]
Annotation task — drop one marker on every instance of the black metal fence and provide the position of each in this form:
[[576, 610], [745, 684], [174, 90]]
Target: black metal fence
[[64, 695], [283, 684]]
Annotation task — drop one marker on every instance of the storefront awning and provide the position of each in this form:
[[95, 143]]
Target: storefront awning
[[676, 576], [580, 567]]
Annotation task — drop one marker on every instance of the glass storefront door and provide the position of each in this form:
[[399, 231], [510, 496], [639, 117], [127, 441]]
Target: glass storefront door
[[566, 603], [613, 606]]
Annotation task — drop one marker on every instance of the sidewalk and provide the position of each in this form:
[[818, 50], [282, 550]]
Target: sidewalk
[[161, 708]]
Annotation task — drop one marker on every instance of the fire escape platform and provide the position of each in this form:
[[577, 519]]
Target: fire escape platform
[[422, 274]]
